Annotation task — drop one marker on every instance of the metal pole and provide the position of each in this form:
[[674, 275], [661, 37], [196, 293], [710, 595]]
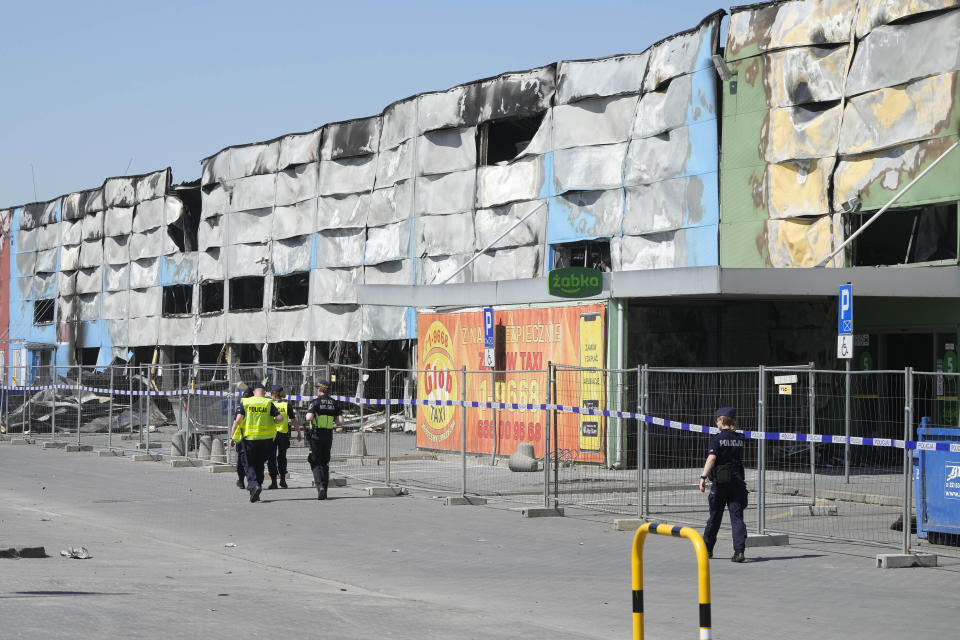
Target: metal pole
[[762, 450], [146, 404], [812, 411], [640, 421], [130, 397], [552, 384], [493, 398], [79, 399], [907, 456], [463, 431], [53, 406], [846, 426], [646, 441], [110, 414], [140, 407], [386, 428], [182, 402], [546, 442]]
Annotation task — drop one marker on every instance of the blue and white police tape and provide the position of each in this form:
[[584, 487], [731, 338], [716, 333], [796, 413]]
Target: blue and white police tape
[[953, 447]]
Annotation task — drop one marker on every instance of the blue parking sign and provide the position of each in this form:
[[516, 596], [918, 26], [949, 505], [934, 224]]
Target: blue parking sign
[[488, 327], [845, 310]]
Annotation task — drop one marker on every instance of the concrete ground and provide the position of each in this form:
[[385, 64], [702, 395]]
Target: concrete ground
[[407, 567]]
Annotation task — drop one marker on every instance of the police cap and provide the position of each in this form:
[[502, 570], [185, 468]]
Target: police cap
[[276, 388], [259, 385], [323, 383], [727, 412]]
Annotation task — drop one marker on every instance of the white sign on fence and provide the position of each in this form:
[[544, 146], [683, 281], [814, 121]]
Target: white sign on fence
[[791, 379], [845, 346]]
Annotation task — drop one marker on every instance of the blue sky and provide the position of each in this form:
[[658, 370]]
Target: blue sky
[[95, 89]]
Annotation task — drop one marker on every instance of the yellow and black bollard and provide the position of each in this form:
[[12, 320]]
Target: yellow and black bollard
[[703, 573]]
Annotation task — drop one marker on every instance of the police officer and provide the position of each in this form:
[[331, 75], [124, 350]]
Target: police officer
[[321, 415], [237, 444], [259, 419], [277, 464], [724, 467]]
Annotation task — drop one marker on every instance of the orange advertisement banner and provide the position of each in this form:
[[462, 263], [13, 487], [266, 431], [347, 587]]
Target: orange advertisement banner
[[527, 340]]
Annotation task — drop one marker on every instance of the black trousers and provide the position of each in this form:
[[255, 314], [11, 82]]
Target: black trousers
[[732, 496], [320, 441], [257, 454], [277, 464], [241, 460]]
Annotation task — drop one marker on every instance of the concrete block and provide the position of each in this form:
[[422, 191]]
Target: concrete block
[[222, 468], [177, 463], [627, 524], [337, 482], [145, 457], [384, 492], [820, 510], [541, 512], [19, 441], [129, 436], [74, 447], [906, 560], [767, 539], [23, 552], [53, 445], [455, 501], [107, 453], [143, 445]]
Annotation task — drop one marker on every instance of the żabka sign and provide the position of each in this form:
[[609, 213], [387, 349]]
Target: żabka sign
[[574, 282]]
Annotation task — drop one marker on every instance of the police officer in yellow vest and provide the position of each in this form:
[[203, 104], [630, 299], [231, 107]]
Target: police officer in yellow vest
[[259, 418], [277, 464], [241, 454], [323, 411]]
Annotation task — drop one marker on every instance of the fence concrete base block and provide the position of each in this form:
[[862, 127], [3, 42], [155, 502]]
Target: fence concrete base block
[[627, 524], [222, 468], [337, 482], [53, 445], [23, 552], [820, 510], [74, 447], [19, 441], [145, 457], [185, 462], [384, 492], [107, 453], [455, 501], [541, 512], [767, 539], [143, 445], [906, 560], [129, 436]]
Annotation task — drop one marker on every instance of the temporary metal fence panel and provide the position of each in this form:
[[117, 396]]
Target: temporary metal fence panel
[[674, 458]]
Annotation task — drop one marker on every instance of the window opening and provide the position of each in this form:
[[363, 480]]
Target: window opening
[[246, 294], [211, 296], [907, 235], [503, 140], [87, 356], [184, 231], [290, 353], [43, 311], [210, 354], [593, 254], [291, 290], [177, 299]]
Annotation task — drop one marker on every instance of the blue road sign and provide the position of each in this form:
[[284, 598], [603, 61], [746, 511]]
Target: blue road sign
[[488, 327], [845, 310]]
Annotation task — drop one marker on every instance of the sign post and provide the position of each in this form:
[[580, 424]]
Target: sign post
[[845, 351]]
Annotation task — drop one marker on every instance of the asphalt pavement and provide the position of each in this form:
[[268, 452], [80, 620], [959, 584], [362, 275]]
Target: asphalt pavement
[[181, 553]]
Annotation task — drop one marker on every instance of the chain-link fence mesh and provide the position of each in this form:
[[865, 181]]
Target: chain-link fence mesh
[[826, 456]]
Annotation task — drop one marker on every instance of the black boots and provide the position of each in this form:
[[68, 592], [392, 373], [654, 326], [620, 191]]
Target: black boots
[[283, 482], [737, 557], [273, 482], [255, 494], [240, 484], [321, 494]]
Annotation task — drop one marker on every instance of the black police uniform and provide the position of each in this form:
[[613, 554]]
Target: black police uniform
[[320, 439], [728, 446]]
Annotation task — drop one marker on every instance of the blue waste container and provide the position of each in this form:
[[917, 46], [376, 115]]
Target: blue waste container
[[936, 482]]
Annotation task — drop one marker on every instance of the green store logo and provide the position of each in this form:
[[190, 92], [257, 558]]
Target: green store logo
[[574, 282]]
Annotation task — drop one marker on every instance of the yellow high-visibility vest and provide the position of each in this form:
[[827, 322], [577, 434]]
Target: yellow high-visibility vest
[[284, 426], [257, 422]]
